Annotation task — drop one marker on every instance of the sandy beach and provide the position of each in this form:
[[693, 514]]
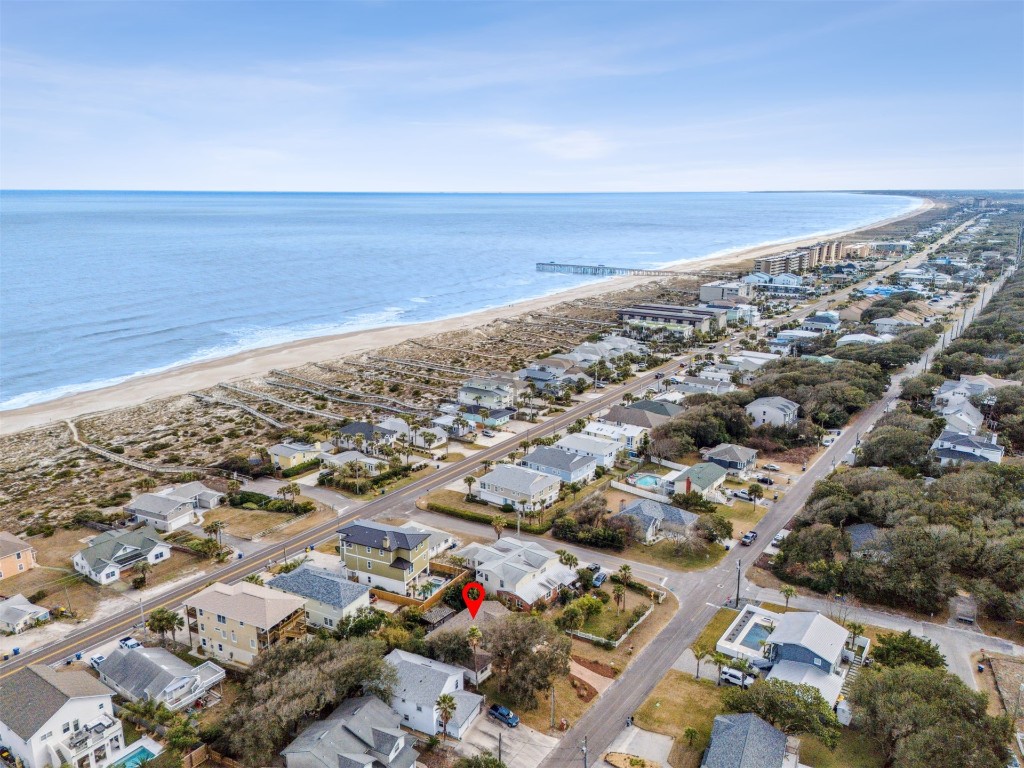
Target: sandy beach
[[206, 374]]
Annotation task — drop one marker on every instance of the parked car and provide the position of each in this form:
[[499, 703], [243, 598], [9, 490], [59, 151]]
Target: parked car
[[594, 567], [600, 385], [735, 677], [748, 538], [95, 661], [659, 375], [129, 642], [773, 467], [827, 440], [600, 579], [779, 538], [487, 433], [503, 715], [765, 480], [742, 495]]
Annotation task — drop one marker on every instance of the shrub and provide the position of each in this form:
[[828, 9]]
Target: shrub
[[138, 582], [298, 469], [36, 597], [483, 517]]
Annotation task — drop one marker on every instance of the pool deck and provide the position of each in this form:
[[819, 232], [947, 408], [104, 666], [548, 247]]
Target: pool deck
[[731, 642], [153, 746]]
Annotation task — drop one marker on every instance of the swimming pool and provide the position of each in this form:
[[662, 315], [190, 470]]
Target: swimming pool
[[647, 481], [136, 756], [754, 636]]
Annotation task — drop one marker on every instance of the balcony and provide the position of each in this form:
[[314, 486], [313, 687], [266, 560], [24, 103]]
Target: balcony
[[291, 628], [93, 745]]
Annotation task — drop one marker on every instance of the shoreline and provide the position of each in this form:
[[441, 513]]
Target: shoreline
[[204, 374]]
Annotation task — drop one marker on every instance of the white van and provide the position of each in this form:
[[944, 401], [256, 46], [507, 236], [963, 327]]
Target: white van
[[735, 677]]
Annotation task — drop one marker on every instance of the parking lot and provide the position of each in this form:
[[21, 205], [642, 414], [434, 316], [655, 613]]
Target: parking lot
[[522, 747]]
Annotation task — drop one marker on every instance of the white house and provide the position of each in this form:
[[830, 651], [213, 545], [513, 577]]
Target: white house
[[439, 541], [567, 467], [420, 682], [891, 324], [953, 447], [863, 338], [157, 675], [521, 572], [49, 719], [521, 487], [961, 416], [17, 614], [330, 596], [825, 322], [174, 507], [628, 436], [601, 449], [777, 411], [112, 552], [488, 393], [418, 438], [370, 465]]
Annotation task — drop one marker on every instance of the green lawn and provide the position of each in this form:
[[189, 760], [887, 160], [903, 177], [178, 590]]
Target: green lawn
[[663, 554], [715, 628]]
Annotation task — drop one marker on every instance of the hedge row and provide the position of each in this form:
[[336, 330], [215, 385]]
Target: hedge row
[[481, 517], [298, 469]]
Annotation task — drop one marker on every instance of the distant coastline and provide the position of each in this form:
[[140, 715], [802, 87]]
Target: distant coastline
[[181, 379]]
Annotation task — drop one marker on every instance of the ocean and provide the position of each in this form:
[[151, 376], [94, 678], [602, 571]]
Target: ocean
[[98, 287]]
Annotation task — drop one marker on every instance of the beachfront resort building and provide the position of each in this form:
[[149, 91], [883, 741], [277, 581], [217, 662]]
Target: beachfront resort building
[[62, 719], [383, 556], [726, 289], [112, 552], [174, 507], [421, 682], [330, 596], [522, 488], [521, 573], [237, 622], [16, 555]]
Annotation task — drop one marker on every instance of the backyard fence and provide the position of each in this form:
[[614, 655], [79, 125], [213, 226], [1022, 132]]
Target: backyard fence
[[641, 493], [599, 641]]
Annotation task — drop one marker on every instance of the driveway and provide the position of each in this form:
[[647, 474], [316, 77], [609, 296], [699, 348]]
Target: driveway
[[522, 747], [636, 741]]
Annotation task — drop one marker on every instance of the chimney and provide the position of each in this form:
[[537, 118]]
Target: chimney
[[688, 485], [385, 542], [622, 504]]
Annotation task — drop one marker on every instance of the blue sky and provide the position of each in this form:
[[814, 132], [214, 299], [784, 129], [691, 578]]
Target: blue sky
[[511, 96]]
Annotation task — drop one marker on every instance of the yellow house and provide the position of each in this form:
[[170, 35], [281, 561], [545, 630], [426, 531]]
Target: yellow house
[[291, 453], [236, 622], [383, 556], [16, 556]]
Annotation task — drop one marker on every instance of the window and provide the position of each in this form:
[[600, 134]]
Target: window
[[369, 565], [817, 662], [419, 708], [405, 717], [101, 705], [21, 566], [221, 619], [204, 642], [252, 643], [233, 638], [367, 550], [18, 556], [200, 611], [67, 727], [381, 552], [220, 647], [202, 627], [74, 724], [47, 735]]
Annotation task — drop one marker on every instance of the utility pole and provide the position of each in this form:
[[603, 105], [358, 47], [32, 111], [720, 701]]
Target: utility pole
[[738, 572], [583, 749], [499, 746], [67, 599], [142, 617], [552, 706]]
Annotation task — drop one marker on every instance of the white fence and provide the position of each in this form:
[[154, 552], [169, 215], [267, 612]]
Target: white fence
[[641, 493]]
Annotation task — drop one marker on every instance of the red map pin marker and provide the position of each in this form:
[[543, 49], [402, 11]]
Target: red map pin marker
[[473, 603]]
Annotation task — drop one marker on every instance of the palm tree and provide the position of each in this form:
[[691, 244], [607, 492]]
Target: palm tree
[[254, 578], [143, 567], [474, 637], [574, 488], [213, 530], [756, 491], [354, 469], [568, 559], [690, 734], [720, 660], [234, 486], [487, 464], [625, 573], [445, 711], [289, 489], [700, 652], [424, 590], [403, 441], [163, 621], [428, 440], [498, 524], [469, 480], [856, 629], [619, 592], [788, 591]]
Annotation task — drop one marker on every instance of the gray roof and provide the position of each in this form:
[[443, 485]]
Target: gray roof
[[169, 502], [422, 680], [660, 407], [702, 475], [10, 544], [649, 511], [545, 456], [621, 414], [954, 455], [319, 584], [370, 534], [968, 441], [730, 452], [359, 731], [812, 631], [40, 693], [144, 673], [366, 429], [744, 741], [781, 403], [121, 548], [518, 479]]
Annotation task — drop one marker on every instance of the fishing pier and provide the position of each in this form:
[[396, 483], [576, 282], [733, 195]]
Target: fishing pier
[[601, 270]]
